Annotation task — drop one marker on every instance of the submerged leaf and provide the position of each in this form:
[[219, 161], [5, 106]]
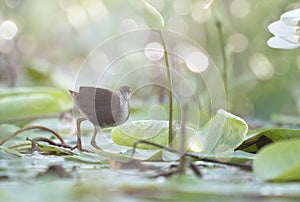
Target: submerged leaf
[[153, 17], [279, 161], [18, 103]]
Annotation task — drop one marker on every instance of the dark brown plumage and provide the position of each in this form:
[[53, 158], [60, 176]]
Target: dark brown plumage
[[102, 107]]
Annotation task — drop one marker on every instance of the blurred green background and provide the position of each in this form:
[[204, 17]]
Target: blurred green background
[[45, 43]]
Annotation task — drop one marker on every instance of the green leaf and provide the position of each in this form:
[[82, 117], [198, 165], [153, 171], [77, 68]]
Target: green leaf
[[6, 153], [153, 17], [88, 158], [221, 135], [153, 131], [258, 139], [237, 156], [19, 103], [279, 161], [50, 149], [6, 130]]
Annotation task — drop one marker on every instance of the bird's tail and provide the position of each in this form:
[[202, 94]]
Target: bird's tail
[[71, 92], [75, 96]]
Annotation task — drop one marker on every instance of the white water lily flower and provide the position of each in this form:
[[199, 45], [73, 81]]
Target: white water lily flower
[[286, 31]]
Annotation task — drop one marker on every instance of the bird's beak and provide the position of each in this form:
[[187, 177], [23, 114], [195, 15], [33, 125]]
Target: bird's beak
[[126, 95]]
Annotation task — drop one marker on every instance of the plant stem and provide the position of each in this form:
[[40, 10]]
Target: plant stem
[[170, 88], [30, 128], [182, 161], [225, 69]]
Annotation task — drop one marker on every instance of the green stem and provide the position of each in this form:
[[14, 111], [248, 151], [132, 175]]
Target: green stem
[[225, 69], [170, 88], [182, 161]]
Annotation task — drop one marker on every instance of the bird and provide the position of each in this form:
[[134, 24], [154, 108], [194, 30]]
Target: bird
[[102, 107]]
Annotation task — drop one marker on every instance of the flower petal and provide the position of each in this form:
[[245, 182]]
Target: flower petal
[[291, 17], [280, 43], [279, 28], [292, 39]]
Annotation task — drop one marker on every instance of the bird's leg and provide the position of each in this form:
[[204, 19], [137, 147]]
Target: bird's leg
[[79, 144], [93, 140]]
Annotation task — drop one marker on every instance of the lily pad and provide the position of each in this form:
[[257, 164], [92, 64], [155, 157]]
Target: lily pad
[[19, 103], [255, 140], [6, 130], [6, 153], [279, 161], [237, 156], [221, 135], [151, 130]]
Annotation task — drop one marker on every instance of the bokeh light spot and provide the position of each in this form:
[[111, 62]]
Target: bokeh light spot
[[97, 11], [127, 25], [238, 42], [200, 14], [154, 51], [239, 8], [261, 66], [77, 16], [197, 62], [8, 29]]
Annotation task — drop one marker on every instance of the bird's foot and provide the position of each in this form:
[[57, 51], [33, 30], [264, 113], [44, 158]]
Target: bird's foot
[[94, 144]]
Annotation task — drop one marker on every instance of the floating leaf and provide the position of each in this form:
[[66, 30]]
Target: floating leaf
[[22, 147], [153, 131], [223, 133], [18, 103], [125, 153], [6, 153], [220, 135], [236, 156], [153, 17], [50, 149], [258, 139], [279, 161], [6, 130], [88, 158]]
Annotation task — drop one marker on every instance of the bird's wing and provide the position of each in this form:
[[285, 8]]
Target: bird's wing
[[87, 99], [105, 100]]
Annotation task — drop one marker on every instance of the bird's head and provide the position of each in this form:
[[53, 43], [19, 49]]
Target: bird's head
[[125, 92]]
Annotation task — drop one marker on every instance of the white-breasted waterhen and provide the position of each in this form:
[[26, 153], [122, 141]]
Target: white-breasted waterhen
[[102, 107]]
